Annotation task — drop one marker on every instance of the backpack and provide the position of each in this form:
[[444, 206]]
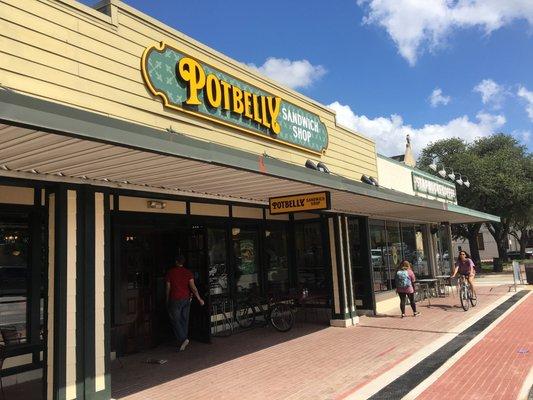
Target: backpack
[[402, 279]]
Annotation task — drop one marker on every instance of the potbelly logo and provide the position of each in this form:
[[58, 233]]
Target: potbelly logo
[[186, 84]]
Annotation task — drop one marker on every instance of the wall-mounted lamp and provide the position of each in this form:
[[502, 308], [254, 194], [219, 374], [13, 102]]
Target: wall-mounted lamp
[[322, 167], [156, 204], [366, 179], [311, 165], [466, 182], [459, 180], [442, 172], [451, 175]]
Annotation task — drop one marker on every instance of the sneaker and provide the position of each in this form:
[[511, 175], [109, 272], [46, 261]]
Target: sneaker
[[403, 315], [416, 313], [184, 344]]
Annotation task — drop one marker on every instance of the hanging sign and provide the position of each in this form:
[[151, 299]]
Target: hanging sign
[[300, 202], [188, 85]]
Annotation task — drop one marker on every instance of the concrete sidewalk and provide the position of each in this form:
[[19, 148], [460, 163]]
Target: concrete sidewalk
[[310, 362]]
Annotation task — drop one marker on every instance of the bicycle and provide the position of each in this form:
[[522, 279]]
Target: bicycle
[[466, 294], [277, 313]]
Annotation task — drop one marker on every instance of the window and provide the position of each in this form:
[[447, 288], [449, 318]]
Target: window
[[379, 250], [480, 242], [14, 279], [245, 250], [310, 258], [216, 258], [276, 260]]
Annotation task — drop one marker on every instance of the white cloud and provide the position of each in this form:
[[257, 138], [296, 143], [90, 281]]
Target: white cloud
[[491, 92], [390, 132], [294, 74], [528, 97], [438, 98], [416, 25]]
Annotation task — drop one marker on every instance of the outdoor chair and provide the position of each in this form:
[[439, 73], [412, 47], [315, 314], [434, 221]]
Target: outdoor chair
[[10, 335]]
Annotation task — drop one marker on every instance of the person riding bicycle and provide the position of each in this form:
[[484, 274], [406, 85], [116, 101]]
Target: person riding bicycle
[[465, 266]]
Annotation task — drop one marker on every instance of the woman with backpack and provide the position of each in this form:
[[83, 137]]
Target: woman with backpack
[[405, 286]]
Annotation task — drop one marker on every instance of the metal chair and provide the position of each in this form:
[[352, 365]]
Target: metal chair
[[10, 335]]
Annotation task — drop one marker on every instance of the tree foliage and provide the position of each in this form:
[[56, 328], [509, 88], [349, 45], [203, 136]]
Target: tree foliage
[[500, 171]]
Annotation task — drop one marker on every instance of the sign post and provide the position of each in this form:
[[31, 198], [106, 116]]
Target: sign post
[[516, 274]]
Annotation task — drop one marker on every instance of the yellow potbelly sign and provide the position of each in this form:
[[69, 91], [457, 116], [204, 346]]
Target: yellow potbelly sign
[[300, 202]]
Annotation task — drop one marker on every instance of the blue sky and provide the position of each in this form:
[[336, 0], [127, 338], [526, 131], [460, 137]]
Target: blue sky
[[377, 62]]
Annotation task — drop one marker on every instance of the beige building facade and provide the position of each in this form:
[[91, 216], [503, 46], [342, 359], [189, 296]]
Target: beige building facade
[[124, 143]]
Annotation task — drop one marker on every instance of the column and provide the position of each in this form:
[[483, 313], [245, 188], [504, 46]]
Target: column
[[78, 301], [344, 313]]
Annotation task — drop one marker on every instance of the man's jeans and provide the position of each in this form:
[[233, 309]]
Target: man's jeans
[[178, 311]]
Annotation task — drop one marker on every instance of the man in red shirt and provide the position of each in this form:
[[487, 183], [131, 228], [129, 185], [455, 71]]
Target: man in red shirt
[[180, 286]]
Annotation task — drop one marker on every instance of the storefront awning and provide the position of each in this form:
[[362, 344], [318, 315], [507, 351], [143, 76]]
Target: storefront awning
[[47, 141]]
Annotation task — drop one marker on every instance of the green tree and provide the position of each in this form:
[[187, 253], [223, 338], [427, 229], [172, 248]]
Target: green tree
[[500, 172], [505, 184], [455, 153]]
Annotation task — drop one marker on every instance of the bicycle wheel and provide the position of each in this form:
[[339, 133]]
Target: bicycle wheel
[[473, 300], [245, 315], [282, 317], [463, 295]]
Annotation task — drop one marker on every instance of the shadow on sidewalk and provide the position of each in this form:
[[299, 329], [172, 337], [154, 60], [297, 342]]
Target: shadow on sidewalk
[[132, 375]]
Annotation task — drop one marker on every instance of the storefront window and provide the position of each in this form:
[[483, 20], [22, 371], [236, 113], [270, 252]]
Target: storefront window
[[394, 250], [359, 262], [310, 258], [245, 250], [14, 279], [218, 269], [276, 260], [379, 251], [414, 249], [442, 239]]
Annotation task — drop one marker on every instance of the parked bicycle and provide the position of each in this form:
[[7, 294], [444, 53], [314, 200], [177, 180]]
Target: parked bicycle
[[278, 313], [466, 294]]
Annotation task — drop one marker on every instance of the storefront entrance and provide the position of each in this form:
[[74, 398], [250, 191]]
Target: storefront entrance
[[144, 251], [229, 259]]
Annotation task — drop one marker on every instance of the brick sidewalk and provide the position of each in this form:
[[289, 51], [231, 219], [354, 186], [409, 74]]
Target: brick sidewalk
[[310, 362], [496, 367]]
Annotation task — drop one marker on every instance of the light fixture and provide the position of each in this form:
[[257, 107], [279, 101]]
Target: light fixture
[[322, 167], [156, 204], [451, 175], [433, 165], [5, 168], [466, 182], [374, 181], [366, 179], [442, 172], [311, 165]]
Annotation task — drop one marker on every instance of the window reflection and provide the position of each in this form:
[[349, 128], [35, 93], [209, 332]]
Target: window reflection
[[310, 258], [14, 249], [245, 250], [277, 267], [218, 272], [379, 251]]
